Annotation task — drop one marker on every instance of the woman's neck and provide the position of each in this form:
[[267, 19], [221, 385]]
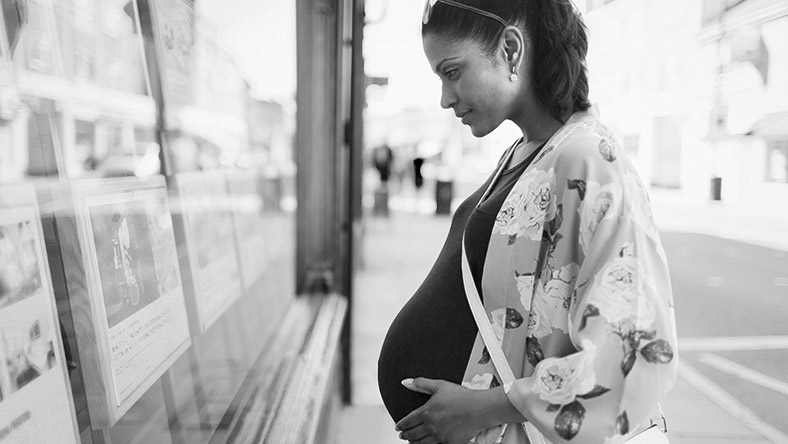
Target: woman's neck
[[537, 126], [533, 119]]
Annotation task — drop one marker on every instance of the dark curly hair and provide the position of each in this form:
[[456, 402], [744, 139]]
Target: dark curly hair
[[558, 40]]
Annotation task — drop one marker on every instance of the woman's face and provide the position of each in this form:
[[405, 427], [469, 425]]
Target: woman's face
[[475, 84]]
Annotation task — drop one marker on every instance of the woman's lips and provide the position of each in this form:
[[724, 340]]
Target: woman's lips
[[464, 117]]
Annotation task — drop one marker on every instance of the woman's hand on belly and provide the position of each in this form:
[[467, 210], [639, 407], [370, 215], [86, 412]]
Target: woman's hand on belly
[[454, 414]]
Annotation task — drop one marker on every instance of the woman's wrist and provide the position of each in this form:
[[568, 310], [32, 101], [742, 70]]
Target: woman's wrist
[[495, 408]]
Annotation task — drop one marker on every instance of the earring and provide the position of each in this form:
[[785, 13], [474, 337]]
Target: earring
[[513, 76]]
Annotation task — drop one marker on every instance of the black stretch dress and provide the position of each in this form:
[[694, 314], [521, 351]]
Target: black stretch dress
[[433, 334]]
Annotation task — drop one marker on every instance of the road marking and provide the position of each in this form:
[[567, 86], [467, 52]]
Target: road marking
[[745, 373], [731, 405], [781, 282], [715, 281], [721, 343]]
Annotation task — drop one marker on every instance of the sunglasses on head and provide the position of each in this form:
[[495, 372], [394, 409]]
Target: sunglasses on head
[[431, 4]]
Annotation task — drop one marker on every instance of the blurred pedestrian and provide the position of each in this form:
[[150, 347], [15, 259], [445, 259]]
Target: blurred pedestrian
[[559, 244], [383, 159], [418, 178]]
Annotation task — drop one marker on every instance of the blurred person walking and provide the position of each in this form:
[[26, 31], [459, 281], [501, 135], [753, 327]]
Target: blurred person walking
[[383, 159], [559, 244], [418, 178]]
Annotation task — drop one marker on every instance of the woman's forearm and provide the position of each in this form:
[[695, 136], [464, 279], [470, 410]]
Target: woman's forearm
[[495, 408]]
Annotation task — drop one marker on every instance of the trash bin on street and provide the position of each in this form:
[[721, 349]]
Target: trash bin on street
[[444, 192], [716, 188], [381, 207]]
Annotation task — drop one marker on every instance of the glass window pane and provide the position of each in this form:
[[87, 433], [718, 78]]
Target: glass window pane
[[79, 106]]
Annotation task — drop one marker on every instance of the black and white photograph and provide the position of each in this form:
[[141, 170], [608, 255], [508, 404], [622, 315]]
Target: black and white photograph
[[28, 354], [19, 269], [126, 263], [394, 221], [135, 297]]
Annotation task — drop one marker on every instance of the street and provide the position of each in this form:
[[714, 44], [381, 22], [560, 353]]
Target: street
[[731, 304]]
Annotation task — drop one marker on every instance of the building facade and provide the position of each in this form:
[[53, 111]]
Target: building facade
[[697, 90]]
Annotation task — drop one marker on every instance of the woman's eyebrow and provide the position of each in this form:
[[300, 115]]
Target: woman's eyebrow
[[440, 64]]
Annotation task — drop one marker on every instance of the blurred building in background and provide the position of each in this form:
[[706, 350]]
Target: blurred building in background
[[697, 91]]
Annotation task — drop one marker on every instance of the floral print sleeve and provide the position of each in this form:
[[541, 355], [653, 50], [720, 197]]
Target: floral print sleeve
[[600, 341]]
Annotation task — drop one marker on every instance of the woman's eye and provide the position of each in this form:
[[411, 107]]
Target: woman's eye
[[450, 74]]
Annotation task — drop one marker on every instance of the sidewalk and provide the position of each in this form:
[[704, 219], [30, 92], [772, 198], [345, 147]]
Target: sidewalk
[[399, 251], [757, 223]]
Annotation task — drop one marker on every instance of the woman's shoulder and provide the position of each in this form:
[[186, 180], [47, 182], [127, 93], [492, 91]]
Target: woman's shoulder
[[587, 148], [586, 136]]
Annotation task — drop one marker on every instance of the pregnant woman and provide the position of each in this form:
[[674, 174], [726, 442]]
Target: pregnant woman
[[560, 243]]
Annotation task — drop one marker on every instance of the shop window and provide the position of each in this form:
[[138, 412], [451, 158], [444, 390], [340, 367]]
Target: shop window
[[777, 162], [146, 260]]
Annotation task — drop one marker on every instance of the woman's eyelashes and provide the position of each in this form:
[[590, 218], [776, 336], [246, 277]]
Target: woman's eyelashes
[[450, 74]]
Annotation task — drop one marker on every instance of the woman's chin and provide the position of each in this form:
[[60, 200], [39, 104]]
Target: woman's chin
[[480, 131]]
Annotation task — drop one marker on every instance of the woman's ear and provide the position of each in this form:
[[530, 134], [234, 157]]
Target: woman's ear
[[513, 44]]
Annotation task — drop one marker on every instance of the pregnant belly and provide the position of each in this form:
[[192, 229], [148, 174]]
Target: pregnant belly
[[431, 337]]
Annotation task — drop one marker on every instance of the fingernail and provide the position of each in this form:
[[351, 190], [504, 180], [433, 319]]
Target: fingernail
[[408, 381]]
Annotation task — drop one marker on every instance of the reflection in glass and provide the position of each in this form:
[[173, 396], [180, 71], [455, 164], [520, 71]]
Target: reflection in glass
[[75, 104]]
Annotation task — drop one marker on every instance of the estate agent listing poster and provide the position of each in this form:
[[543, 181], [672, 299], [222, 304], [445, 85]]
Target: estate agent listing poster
[[249, 226], [209, 230], [139, 284], [35, 397], [175, 28]]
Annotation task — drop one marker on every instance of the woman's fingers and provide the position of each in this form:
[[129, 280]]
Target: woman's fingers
[[429, 439], [415, 434], [422, 385], [410, 421]]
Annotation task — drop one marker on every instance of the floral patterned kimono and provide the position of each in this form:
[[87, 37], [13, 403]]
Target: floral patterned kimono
[[577, 290]]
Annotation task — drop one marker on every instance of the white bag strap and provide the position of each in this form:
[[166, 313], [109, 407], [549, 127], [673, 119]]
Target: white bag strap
[[482, 321], [488, 336], [475, 301]]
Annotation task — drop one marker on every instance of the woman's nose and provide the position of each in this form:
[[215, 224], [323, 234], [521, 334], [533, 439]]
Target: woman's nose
[[448, 99]]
